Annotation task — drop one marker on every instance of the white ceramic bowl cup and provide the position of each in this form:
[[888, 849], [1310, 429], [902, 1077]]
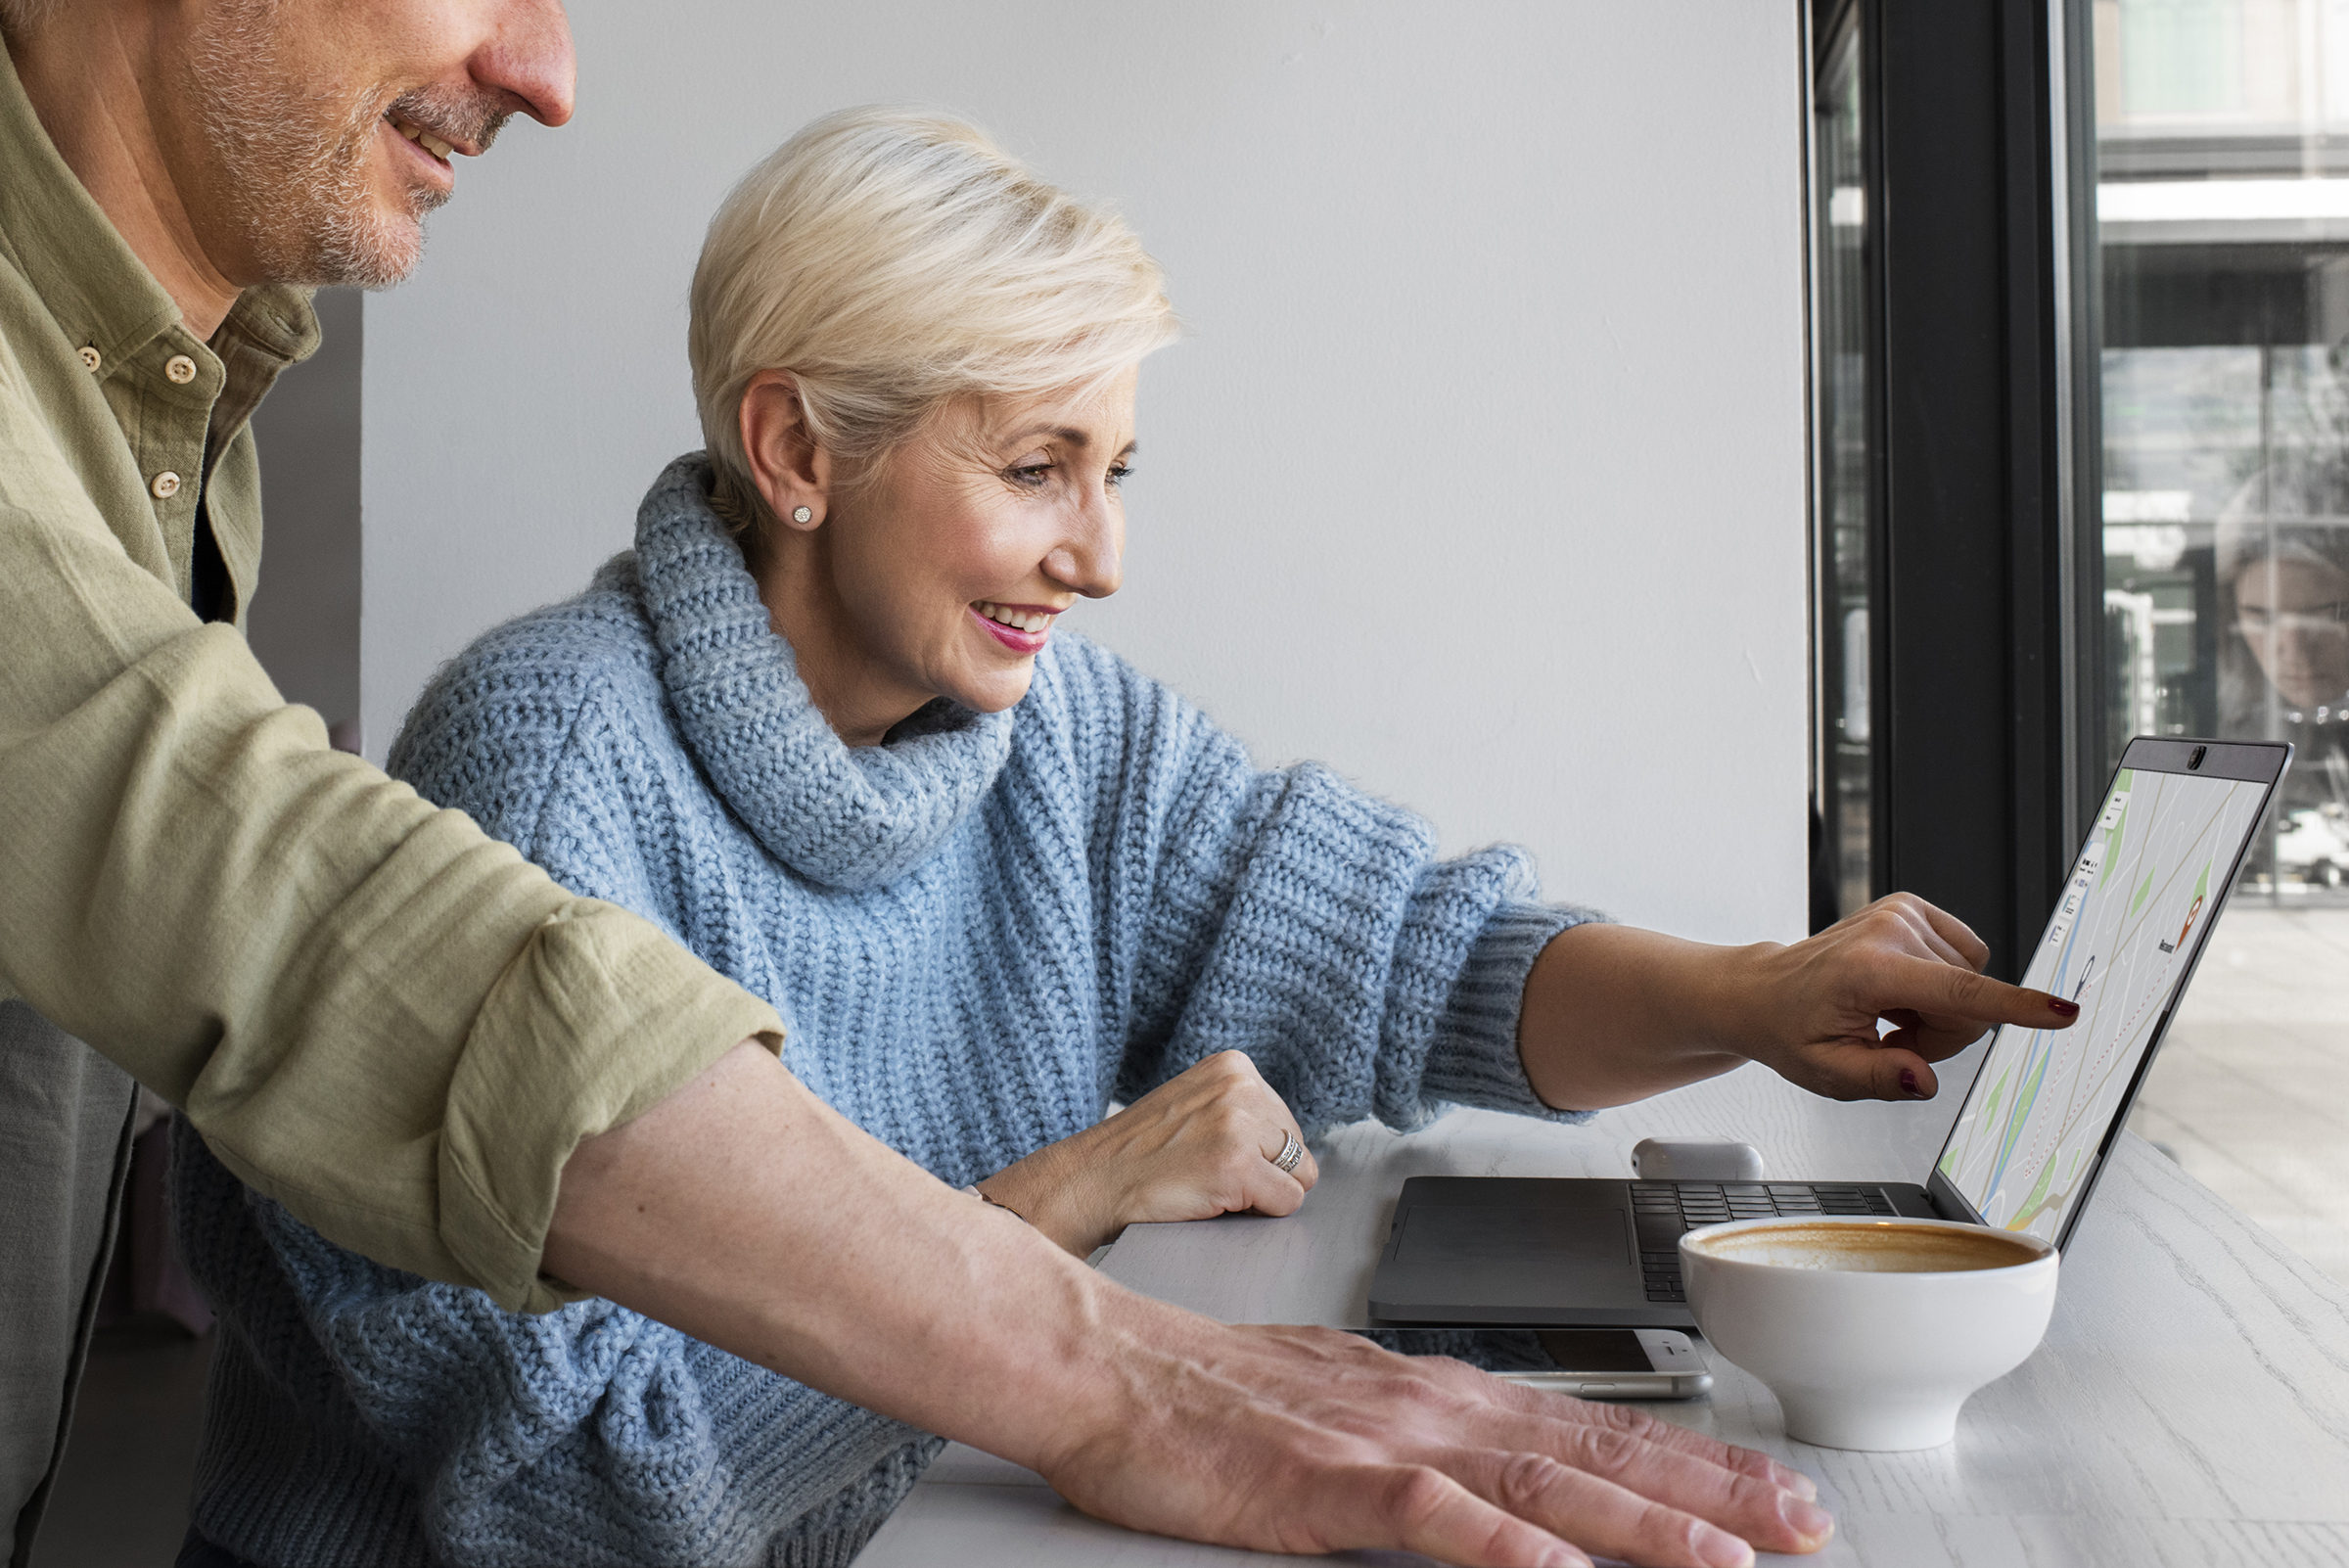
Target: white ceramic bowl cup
[[1871, 1332]]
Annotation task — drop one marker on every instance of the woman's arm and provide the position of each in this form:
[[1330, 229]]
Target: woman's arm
[[1287, 914], [1613, 1014]]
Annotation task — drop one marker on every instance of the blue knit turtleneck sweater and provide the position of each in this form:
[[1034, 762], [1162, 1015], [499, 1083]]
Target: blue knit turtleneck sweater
[[978, 933]]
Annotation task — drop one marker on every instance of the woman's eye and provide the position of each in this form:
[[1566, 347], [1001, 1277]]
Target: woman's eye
[[1119, 473], [1031, 475]]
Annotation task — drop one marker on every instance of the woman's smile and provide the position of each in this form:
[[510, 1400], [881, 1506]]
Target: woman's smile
[[1024, 629]]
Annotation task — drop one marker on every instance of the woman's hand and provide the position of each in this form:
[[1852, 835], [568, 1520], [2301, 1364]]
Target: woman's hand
[[1199, 1145], [1813, 1007], [1614, 1014]]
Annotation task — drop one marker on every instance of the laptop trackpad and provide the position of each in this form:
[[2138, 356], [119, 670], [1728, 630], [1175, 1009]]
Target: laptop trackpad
[[1527, 1241]]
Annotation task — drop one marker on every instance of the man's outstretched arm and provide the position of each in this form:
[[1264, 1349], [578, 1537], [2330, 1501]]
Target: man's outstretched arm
[[746, 1212]]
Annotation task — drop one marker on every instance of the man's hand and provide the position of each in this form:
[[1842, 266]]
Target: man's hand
[[1198, 1145], [1814, 1004], [1614, 1014], [746, 1212], [1307, 1439]]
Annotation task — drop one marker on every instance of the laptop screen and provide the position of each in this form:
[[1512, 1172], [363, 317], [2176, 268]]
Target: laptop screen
[[2120, 944]]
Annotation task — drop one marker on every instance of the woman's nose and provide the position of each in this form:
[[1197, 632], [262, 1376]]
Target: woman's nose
[[1091, 560]]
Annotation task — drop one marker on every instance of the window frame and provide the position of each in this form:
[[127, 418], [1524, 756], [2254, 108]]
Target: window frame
[[1977, 183]]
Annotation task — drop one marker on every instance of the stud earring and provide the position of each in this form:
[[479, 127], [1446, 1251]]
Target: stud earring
[[800, 514]]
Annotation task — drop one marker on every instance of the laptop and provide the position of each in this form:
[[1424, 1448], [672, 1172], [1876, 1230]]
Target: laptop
[[2029, 1141]]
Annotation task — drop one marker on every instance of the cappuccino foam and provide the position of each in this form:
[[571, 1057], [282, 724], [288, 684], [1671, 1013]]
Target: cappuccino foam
[[1881, 1249]]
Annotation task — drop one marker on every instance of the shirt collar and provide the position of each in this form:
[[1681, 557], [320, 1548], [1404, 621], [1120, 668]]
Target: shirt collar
[[96, 288], [101, 295]]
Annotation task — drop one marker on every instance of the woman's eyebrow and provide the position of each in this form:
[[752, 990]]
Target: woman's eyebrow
[[1064, 432]]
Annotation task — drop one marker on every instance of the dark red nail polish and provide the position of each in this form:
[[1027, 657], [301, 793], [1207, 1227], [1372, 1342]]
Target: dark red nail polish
[[1909, 1083], [2061, 1008]]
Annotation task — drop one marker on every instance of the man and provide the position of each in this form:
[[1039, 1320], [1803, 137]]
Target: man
[[421, 1045]]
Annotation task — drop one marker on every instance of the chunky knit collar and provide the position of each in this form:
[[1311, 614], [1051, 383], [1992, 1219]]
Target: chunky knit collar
[[846, 816]]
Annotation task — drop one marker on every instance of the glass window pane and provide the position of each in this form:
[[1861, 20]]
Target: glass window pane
[[2223, 208], [1846, 790]]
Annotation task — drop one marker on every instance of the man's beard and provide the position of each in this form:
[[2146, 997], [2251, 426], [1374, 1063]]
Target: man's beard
[[297, 163]]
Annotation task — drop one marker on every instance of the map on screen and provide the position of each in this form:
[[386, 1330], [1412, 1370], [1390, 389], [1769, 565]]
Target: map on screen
[[2118, 945]]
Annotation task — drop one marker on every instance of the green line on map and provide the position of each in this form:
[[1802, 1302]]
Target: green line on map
[[2039, 1195], [2021, 1112], [2113, 840], [2139, 902], [1990, 1107]]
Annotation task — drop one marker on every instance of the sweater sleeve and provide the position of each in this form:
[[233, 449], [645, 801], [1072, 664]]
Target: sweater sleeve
[[1288, 914]]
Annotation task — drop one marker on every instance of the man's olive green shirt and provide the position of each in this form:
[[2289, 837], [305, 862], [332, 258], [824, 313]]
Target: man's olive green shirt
[[375, 1014]]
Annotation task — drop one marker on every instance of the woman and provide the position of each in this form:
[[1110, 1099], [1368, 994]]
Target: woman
[[823, 724]]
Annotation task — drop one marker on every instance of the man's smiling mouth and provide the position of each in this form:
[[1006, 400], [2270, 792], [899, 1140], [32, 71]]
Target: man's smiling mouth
[[421, 137]]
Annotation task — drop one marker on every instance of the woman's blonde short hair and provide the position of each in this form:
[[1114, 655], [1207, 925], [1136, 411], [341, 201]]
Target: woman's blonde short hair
[[893, 259]]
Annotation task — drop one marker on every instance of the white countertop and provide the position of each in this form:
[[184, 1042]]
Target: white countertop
[[2190, 1404]]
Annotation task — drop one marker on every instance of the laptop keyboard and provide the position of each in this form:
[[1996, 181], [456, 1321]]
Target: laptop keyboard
[[1664, 1209]]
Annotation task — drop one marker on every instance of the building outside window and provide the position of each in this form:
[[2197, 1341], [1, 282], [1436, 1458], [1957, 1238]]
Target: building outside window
[[1843, 761], [2222, 220]]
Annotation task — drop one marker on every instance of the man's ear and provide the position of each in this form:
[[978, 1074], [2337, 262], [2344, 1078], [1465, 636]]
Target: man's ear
[[793, 473]]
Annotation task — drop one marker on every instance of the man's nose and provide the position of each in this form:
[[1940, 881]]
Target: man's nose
[[527, 57]]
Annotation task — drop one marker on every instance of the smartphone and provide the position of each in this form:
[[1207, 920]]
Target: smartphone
[[1605, 1364]]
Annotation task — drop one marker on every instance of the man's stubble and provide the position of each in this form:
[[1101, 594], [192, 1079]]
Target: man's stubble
[[297, 161]]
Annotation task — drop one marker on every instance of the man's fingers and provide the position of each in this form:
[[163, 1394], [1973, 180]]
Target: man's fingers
[[1654, 1464], [1598, 1513], [1655, 1429], [1422, 1509]]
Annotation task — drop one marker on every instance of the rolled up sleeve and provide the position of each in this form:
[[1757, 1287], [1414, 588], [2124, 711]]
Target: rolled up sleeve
[[374, 1013]]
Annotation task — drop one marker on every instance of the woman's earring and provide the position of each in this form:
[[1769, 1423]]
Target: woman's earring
[[800, 514]]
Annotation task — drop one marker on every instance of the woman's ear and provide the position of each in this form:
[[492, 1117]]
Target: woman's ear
[[793, 473]]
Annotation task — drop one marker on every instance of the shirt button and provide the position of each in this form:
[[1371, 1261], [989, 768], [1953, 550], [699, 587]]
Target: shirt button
[[89, 358], [166, 485], [180, 368]]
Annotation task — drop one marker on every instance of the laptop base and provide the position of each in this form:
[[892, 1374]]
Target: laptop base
[[1554, 1252]]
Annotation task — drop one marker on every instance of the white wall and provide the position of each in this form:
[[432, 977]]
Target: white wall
[[1480, 479]]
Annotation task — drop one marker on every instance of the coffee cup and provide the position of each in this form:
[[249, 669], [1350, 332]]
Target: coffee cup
[[1871, 1332]]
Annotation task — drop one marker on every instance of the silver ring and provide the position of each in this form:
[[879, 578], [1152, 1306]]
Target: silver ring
[[1291, 1151]]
